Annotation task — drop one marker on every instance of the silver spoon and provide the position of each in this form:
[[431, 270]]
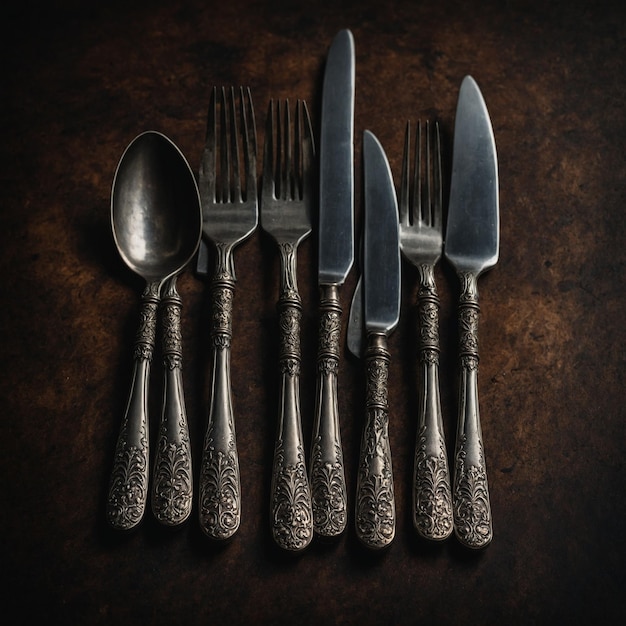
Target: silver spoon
[[157, 224]]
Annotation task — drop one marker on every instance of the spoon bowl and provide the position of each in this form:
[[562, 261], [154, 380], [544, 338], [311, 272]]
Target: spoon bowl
[[157, 225], [155, 209]]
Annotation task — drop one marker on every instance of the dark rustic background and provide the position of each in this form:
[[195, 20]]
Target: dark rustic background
[[81, 79]]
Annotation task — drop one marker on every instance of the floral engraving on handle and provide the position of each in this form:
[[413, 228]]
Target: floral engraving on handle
[[292, 524], [129, 485], [173, 490], [375, 507], [433, 499], [428, 315], [222, 315], [328, 492], [172, 337], [146, 332], [289, 323], [472, 510], [328, 342], [469, 311], [220, 508]]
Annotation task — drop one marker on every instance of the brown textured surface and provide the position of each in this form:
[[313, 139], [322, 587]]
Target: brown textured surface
[[79, 82]]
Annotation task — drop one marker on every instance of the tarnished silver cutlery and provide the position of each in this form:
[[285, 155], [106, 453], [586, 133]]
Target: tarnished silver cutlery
[[335, 258], [286, 214], [228, 193], [156, 221], [375, 518], [421, 243], [471, 246]]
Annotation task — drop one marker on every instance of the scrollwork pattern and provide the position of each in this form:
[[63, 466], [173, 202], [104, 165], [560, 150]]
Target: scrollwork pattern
[[432, 510], [173, 487], [328, 491], [292, 518], [472, 510], [222, 314], [329, 332], [146, 332], [289, 323], [375, 506], [129, 486], [377, 377], [220, 501]]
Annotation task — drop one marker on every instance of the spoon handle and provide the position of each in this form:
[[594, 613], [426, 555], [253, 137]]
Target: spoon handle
[[220, 489], [128, 488], [172, 486], [292, 516]]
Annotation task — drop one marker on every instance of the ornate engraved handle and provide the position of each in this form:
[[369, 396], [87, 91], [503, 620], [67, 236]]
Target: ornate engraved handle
[[328, 482], [220, 489], [172, 483], [375, 503], [128, 488], [472, 510], [432, 496], [290, 503]]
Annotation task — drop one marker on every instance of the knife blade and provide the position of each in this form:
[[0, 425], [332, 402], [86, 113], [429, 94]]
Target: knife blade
[[472, 247], [375, 518], [336, 255]]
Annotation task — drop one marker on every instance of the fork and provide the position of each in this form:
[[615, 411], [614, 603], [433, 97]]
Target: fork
[[229, 216], [421, 242], [286, 204]]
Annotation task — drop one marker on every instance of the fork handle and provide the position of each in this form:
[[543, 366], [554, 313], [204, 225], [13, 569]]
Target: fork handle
[[172, 483], [375, 502], [328, 482], [290, 502], [432, 496], [220, 486], [128, 487], [472, 510]]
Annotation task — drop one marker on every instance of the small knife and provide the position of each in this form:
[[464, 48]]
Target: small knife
[[471, 246], [336, 255], [375, 504]]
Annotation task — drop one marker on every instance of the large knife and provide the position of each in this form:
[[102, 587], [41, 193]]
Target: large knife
[[471, 246], [336, 255], [375, 504]]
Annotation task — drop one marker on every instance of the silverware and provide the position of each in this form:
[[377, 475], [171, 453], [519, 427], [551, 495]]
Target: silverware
[[471, 246], [336, 255], [421, 243], [172, 476], [375, 503], [230, 215], [156, 221], [286, 207]]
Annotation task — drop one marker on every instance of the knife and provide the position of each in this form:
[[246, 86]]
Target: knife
[[336, 255], [375, 504], [471, 246]]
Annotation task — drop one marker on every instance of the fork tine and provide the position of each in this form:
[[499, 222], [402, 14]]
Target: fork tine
[[279, 175], [306, 151], [234, 188], [207, 163], [249, 143], [269, 177], [224, 174], [417, 214], [288, 175], [404, 183], [437, 184]]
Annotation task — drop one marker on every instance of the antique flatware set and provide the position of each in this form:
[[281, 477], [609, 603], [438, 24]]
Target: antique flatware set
[[162, 219]]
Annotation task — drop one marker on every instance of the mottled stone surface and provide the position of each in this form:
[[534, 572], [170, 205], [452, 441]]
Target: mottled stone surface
[[82, 79]]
